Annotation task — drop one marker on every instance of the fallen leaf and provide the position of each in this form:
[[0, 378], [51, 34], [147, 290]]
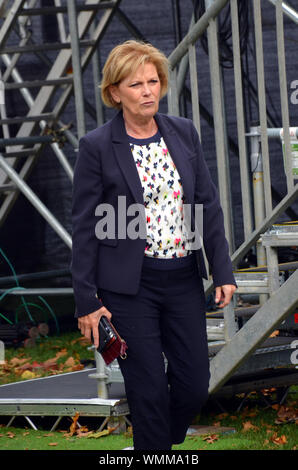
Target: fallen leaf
[[36, 365], [61, 353], [26, 366], [83, 431], [222, 416], [28, 374], [268, 391], [274, 333], [70, 362], [82, 339], [73, 368], [111, 429], [10, 434], [248, 426], [286, 414], [16, 361], [50, 364], [96, 435], [53, 443], [128, 432], [211, 438], [105, 432], [252, 413], [278, 440], [74, 424]]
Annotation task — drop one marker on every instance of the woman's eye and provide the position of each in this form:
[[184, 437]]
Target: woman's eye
[[133, 85]]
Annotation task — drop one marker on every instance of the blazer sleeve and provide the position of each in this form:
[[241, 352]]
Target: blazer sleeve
[[214, 240], [86, 195]]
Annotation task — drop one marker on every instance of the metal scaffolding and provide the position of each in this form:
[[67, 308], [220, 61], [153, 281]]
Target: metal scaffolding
[[235, 343]]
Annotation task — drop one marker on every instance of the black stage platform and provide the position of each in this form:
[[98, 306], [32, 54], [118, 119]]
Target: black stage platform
[[62, 395]]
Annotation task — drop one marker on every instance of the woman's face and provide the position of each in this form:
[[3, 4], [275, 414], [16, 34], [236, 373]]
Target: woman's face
[[139, 93]]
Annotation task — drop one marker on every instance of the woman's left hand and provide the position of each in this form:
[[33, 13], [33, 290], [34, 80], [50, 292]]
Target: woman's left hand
[[224, 294]]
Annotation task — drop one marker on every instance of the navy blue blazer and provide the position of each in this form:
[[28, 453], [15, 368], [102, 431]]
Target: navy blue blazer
[[104, 170]]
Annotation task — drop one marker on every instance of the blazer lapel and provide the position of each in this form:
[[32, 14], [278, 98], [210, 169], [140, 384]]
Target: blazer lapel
[[125, 158], [127, 164], [178, 155]]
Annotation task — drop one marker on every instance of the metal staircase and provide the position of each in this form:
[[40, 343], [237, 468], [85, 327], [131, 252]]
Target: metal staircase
[[40, 127], [236, 349], [248, 345]]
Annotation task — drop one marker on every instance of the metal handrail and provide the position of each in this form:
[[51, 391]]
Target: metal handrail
[[195, 32], [288, 11]]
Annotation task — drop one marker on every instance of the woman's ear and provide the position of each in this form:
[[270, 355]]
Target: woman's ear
[[113, 89]]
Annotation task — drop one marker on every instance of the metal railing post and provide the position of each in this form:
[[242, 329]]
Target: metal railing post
[[194, 87], [222, 151], [262, 104], [230, 325], [96, 79], [100, 375], [243, 160], [284, 94], [76, 66], [173, 98], [258, 194]]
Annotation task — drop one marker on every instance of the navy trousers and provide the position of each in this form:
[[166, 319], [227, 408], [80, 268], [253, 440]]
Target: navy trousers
[[165, 319]]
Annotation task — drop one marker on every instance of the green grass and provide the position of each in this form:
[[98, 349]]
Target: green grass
[[255, 426], [265, 435], [28, 439], [46, 348]]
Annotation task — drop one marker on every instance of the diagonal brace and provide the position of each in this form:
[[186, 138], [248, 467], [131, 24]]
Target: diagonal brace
[[35, 201], [253, 333]]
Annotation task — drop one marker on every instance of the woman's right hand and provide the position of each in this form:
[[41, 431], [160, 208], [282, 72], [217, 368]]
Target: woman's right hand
[[89, 323]]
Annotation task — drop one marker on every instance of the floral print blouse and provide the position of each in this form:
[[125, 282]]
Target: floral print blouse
[[163, 198]]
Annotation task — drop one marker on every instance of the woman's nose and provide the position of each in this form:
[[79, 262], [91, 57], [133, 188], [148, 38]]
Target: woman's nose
[[146, 90]]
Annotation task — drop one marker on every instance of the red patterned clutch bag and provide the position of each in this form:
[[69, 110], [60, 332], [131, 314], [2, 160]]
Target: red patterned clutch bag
[[111, 345]]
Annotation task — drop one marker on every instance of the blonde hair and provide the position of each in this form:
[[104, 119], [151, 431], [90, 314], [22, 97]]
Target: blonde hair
[[124, 60]]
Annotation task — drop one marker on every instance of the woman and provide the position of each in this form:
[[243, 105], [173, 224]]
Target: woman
[[148, 280]]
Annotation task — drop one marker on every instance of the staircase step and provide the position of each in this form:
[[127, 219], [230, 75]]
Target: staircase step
[[52, 46], [21, 119], [63, 9], [252, 282], [26, 140], [19, 154], [7, 187], [251, 337], [281, 235], [38, 83], [259, 380]]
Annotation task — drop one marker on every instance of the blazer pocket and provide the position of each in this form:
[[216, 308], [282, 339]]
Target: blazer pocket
[[108, 241]]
